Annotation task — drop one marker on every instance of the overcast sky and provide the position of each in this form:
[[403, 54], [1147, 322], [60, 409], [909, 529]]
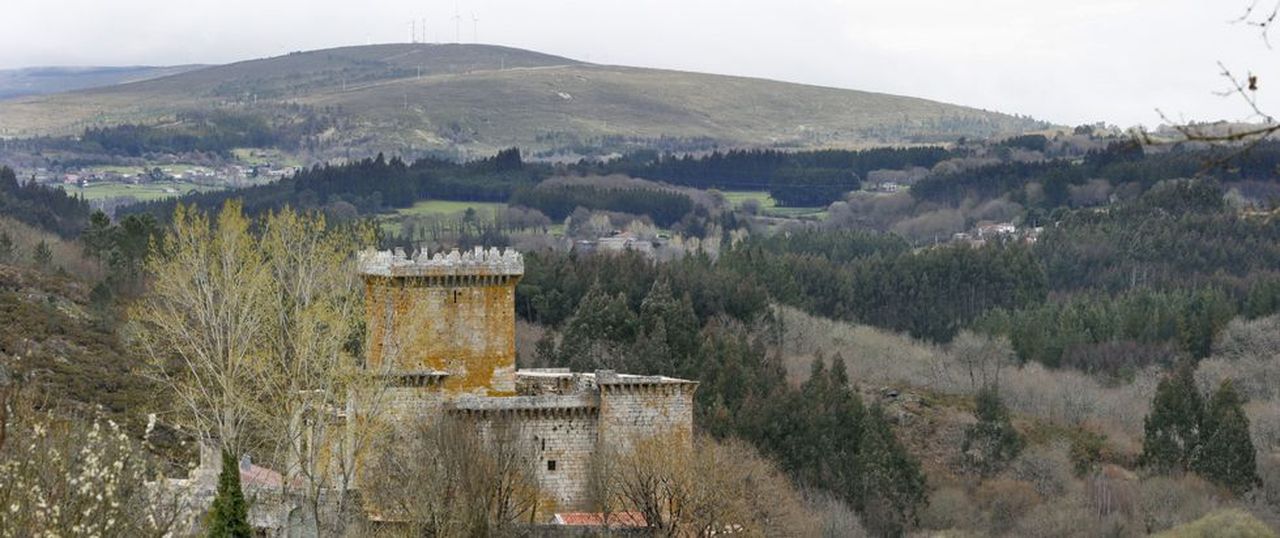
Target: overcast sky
[[1068, 62]]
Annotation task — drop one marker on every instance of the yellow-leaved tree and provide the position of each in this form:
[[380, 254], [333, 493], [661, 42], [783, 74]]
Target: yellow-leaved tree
[[255, 329]]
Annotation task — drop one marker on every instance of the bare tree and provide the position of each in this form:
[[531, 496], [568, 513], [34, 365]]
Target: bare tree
[[256, 336], [1260, 15], [453, 477], [708, 489], [315, 307], [983, 357], [202, 322]]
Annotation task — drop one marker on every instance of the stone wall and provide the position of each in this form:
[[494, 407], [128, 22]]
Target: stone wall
[[629, 412], [558, 434], [460, 326]]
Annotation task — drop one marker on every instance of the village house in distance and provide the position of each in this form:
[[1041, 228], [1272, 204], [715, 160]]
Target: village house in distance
[[441, 329]]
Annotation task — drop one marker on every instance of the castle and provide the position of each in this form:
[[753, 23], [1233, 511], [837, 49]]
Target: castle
[[441, 330]]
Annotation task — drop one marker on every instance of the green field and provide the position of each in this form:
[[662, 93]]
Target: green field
[[769, 207], [736, 198], [390, 223], [448, 207], [144, 193]]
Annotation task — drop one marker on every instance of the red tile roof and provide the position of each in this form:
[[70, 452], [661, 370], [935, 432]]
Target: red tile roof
[[596, 519], [260, 476]]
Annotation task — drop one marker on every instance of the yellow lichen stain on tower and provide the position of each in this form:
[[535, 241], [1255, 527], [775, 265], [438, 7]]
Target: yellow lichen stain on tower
[[452, 317]]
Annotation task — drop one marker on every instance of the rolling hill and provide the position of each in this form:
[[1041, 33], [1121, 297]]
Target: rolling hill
[[481, 97], [44, 80]]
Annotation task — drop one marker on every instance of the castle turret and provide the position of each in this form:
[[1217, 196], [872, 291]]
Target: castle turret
[[443, 319]]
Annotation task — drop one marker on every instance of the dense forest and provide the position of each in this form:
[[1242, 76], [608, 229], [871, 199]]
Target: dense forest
[[47, 207], [813, 178], [810, 178]]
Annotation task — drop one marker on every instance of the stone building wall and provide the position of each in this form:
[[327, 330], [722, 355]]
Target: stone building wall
[[560, 444], [452, 314], [441, 332], [557, 433], [634, 411]]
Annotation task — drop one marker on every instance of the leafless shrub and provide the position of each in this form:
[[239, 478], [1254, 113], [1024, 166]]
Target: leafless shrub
[[996, 210], [1071, 517], [837, 519], [1070, 397], [876, 357], [1246, 353], [1264, 424], [1112, 490], [960, 164], [1046, 468], [1169, 501], [949, 507], [1247, 339], [707, 489], [1269, 471], [873, 356], [1004, 502], [1092, 193], [934, 225], [67, 255], [867, 210], [446, 478], [527, 336], [982, 358]]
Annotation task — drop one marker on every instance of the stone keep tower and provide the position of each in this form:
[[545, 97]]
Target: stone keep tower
[[446, 320]]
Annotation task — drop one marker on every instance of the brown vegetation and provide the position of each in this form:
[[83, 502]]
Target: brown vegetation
[[1083, 431]]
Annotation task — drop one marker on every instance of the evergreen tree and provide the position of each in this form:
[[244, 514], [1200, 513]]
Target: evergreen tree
[[599, 333], [892, 484], [43, 255], [1227, 455], [675, 324], [97, 237], [229, 515], [840, 416], [8, 250], [1172, 430], [993, 441]]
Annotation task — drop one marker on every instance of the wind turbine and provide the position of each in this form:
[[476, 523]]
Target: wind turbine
[[475, 28], [457, 24]]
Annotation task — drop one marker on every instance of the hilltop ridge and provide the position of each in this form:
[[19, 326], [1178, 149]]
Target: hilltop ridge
[[475, 98]]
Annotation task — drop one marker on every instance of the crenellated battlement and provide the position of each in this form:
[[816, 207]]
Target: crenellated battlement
[[397, 263], [441, 332]]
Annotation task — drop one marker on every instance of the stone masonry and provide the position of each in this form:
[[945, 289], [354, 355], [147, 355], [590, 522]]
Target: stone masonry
[[441, 331]]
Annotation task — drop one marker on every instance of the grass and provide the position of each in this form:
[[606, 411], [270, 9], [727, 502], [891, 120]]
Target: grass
[[461, 100], [736, 198], [818, 213], [123, 170], [390, 223], [1229, 522], [448, 207], [144, 192], [131, 170], [770, 208]]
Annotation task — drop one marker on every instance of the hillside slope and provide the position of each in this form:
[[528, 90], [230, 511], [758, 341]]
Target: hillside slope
[[43, 80], [481, 97]]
